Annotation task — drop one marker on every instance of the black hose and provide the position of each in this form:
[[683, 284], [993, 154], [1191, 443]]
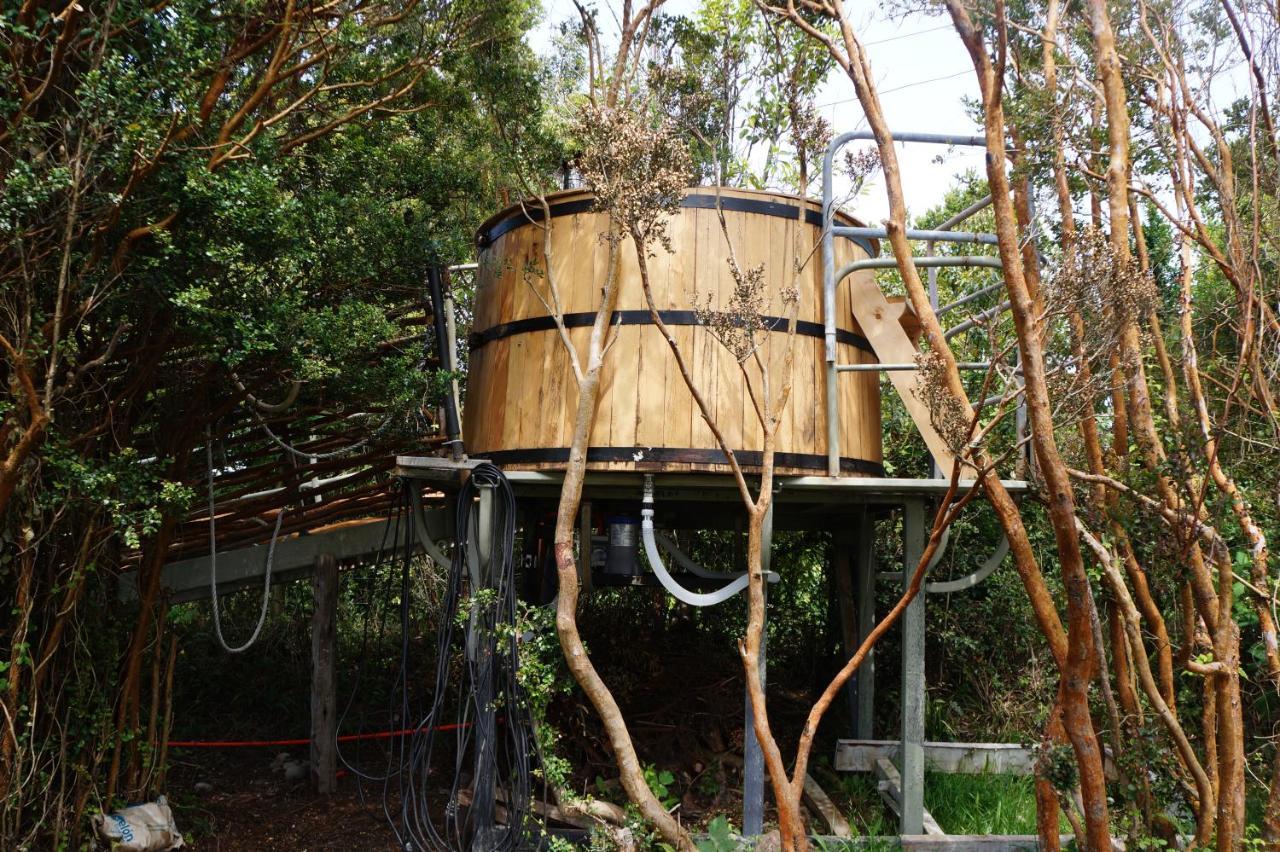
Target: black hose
[[494, 727]]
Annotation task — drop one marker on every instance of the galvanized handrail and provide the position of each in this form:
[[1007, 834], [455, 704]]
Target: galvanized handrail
[[830, 278], [918, 234]]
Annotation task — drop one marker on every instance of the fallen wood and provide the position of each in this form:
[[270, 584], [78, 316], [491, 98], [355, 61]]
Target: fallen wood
[[890, 788], [818, 800]]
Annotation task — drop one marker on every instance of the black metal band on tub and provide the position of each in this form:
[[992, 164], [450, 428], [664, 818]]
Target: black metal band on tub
[[804, 328], [646, 457], [697, 201]]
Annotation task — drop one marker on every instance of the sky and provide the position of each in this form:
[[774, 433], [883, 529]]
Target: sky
[[924, 77], [922, 73]]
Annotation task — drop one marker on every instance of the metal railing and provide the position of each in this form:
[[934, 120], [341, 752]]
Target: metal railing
[[944, 233]]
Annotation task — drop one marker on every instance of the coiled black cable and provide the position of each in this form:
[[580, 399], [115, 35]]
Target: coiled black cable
[[493, 730]]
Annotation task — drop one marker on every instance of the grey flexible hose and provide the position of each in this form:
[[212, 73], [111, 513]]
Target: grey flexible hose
[[213, 565]]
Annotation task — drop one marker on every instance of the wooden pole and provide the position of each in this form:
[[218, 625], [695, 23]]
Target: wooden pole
[[324, 697], [865, 566], [842, 561]]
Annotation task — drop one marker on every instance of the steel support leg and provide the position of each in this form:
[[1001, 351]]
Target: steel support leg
[[752, 756], [913, 686], [481, 640]]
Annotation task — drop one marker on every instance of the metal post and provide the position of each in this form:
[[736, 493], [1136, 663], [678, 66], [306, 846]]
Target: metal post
[[482, 630], [752, 756], [829, 305], [453, 430], [1027, 457], [865, 565], [913, 685]]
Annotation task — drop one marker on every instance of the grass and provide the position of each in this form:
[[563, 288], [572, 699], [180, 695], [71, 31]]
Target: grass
[[962, 804], [982, 804]]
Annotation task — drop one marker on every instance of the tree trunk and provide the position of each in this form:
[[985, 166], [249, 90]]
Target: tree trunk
[[580, 666]]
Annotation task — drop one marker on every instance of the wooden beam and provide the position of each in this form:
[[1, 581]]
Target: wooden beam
[[865, 565], [969, 758], [295, 557], [881, 324], [977, 842], [324, 695]]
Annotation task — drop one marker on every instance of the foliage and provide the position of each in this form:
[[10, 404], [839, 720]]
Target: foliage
[[183, 186]]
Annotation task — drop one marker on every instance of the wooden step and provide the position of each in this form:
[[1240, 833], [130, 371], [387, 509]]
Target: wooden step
[[881, 321]]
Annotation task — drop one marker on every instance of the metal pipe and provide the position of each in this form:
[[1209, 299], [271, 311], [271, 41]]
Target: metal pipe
[[918, 234], [453, 431], [991, 400], [930, 138], [904, 367], [976, 207], [977, 294], [976, 320], [451, 337], [920, 262], [829, 280], [685, 561], [968, 581]]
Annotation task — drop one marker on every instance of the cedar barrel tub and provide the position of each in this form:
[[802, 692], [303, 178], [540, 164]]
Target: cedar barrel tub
[[521, 395]]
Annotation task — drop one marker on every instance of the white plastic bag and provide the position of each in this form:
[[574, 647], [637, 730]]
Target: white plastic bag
[[141, 828]]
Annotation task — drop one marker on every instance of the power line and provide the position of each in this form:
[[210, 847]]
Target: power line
[[905, 35], [900, 88]]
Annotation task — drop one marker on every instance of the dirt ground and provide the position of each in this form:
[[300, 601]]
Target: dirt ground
[[684, 722], [252, 808]]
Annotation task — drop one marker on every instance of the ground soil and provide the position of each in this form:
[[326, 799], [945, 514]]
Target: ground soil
[[683, 704], [252, 808]]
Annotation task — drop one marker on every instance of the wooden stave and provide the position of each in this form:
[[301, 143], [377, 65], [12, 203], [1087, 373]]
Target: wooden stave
[[860, 438]]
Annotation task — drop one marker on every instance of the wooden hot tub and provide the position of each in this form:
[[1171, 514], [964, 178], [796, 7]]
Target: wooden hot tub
[[521, 395]]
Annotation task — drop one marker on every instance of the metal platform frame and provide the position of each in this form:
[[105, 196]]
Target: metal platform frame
[[849, 498], [800, 501]]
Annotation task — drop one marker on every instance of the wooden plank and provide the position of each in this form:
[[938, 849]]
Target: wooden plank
[[677, 425], [782, 235], [651, 402], [700, 354], [817, 799], [966, 758], [623, 365], [512, 405], [324, 695], [879, 322], [527, 384]]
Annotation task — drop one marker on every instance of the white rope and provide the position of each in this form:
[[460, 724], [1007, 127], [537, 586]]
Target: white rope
[[213, 564]]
